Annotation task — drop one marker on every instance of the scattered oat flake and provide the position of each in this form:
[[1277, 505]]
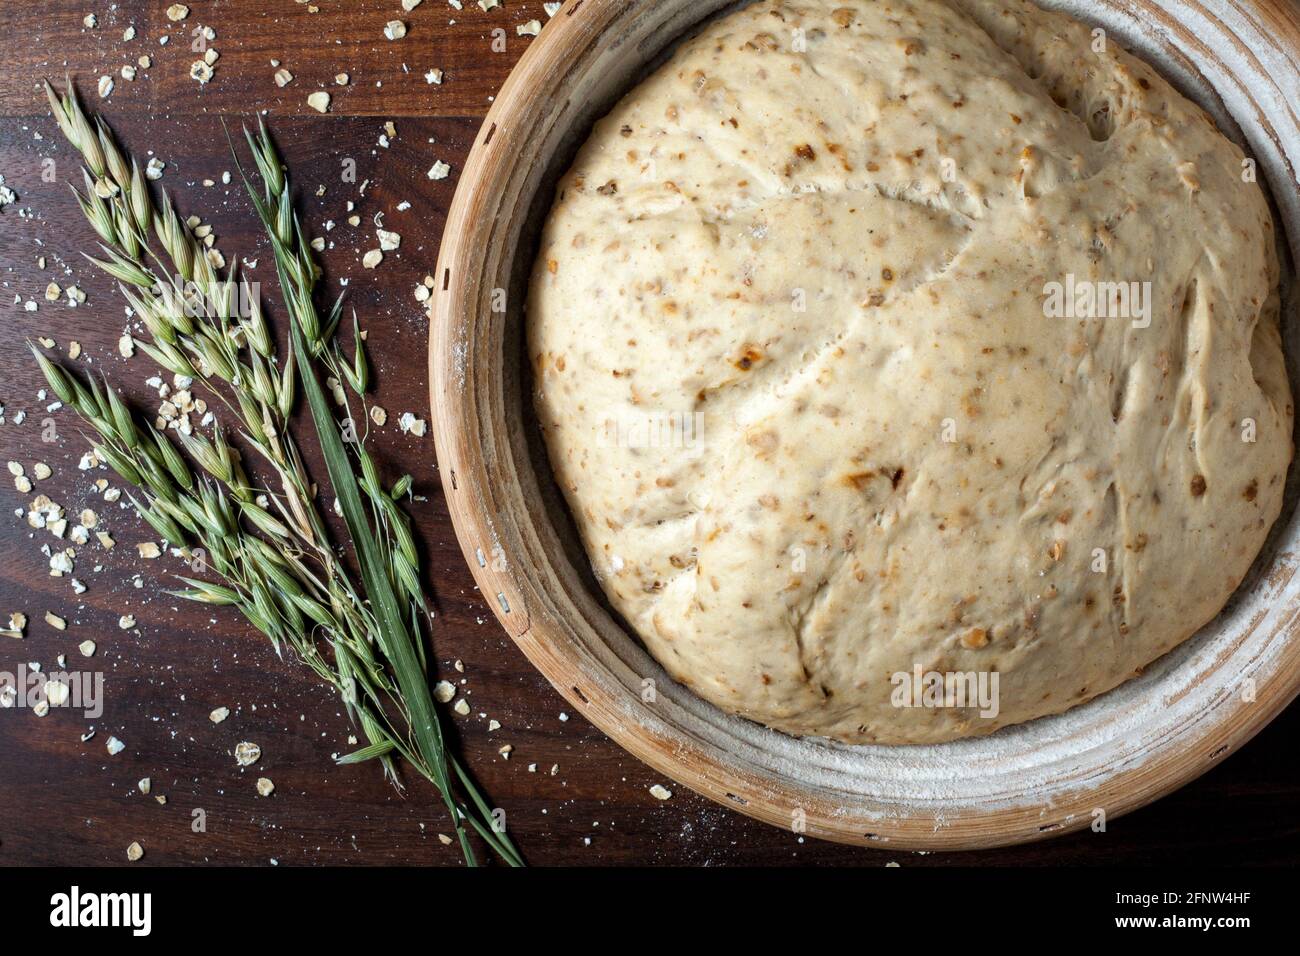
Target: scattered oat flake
[[56, 622], [114, 746], [134, 852], [126, 622], [283, 78], [341, 79], [319, 101], [145, 785], [394, 29], [87, 648], [486, 5], [660, 792], [56, 692], [218, 715], [439, 170], [17, 622], [126, 346], [177, 12], [388, 241], [61, 563], [148, 549], [461, 707], [265, 787], [444, 839], [378, 415], [372, 258], [412, 425], [247, 753], [41, 471], [529, 29], [105, 86]]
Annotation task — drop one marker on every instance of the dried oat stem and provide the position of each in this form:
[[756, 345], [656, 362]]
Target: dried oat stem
[[270, 546]]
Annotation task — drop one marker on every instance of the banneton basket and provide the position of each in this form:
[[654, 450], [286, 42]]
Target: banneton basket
[[1188, 711]]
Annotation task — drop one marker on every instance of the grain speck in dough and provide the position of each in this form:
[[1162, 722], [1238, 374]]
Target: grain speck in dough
[[805, 364]]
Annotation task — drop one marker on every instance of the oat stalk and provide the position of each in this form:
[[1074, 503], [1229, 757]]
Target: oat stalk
[[269, 545]]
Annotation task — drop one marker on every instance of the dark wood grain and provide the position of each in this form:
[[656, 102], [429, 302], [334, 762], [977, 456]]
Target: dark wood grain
[[67, 801]]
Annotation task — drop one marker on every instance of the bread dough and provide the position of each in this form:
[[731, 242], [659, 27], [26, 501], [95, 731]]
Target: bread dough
[[819, 378]]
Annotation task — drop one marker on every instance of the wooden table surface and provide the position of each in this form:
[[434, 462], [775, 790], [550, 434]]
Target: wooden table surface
[[67, 801]]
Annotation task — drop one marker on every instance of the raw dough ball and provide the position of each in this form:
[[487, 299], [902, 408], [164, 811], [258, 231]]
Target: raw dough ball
[[819, 377]]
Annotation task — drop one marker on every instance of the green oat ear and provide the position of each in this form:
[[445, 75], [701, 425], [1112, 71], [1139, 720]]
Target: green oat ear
[[270, 547], [395, 640]]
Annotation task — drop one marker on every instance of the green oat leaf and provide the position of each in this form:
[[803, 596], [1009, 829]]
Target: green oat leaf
[[365, 753]]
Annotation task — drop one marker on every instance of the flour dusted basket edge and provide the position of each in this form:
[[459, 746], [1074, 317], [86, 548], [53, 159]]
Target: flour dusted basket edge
[[1121, 751]]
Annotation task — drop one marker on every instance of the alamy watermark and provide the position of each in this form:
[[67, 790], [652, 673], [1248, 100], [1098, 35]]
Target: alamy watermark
[[683, 431], [1086, 299], [133, 911], [77, 690], [940, 689]]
